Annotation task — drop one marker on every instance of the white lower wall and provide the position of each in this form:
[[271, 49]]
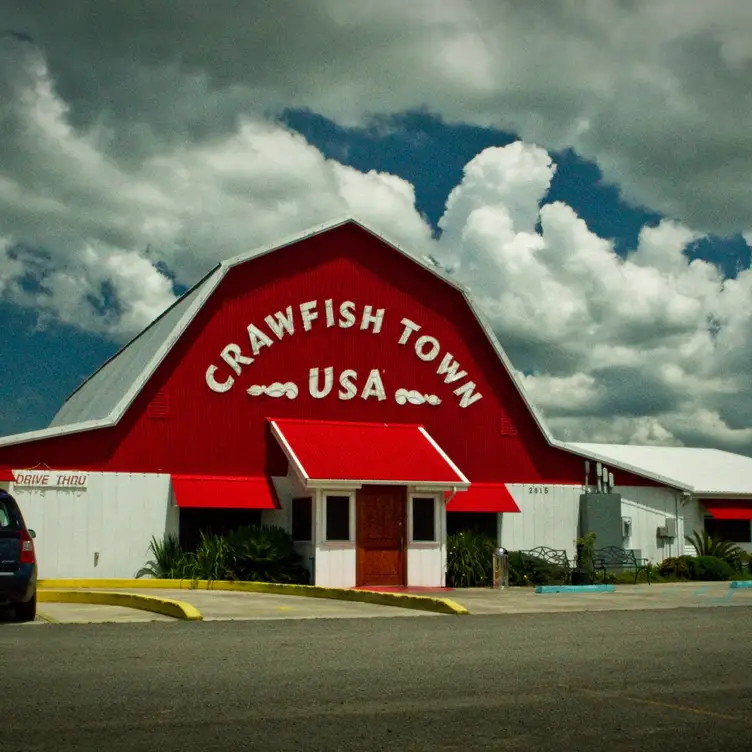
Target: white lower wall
[[335, 562], [548, 516], [649, 507], [693, 514], [426, 562], [101, 531]]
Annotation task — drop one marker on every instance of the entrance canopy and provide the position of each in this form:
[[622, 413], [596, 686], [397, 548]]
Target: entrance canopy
[[211, 492], [483, 497], [329, 453], [729, 509]]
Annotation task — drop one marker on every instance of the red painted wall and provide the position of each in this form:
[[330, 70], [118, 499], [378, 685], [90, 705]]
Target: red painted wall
[[212, 433]]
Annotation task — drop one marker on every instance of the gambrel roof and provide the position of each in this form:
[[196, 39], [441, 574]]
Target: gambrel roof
[[102, 399]]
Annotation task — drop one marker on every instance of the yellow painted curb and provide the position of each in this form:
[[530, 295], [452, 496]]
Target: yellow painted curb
[[166, 606], [399, 600]]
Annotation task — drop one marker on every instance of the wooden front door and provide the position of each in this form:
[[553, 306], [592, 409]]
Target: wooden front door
[[380, 513]]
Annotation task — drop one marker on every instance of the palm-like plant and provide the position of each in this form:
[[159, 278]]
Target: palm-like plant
[[705, 545], [264, 553], [169, 562], [212, 559], [470, 559]]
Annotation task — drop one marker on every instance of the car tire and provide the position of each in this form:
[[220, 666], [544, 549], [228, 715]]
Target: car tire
[[27, 611]]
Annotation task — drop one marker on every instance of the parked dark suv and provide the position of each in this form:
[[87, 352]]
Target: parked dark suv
[[18, 562]]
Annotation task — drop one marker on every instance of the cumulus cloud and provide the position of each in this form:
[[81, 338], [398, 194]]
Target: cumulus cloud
[[106, 200], [654, 93], [657, 342], [108, 230]]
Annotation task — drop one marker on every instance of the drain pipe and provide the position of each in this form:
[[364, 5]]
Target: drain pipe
[[452, 494]]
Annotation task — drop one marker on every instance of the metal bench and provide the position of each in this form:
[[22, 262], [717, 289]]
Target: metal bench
[[620, 559], [542, 557]]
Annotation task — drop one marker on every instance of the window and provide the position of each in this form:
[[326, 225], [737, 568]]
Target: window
[[734, 531], [302, 520], [483, 523], [8, 519], [337, 518], [424, 519]]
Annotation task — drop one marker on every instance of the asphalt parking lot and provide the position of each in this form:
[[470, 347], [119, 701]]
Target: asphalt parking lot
[[649, 680]]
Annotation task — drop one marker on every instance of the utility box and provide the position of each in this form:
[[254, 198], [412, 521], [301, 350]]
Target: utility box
[[600, 513], [668, 529], [626, 527]]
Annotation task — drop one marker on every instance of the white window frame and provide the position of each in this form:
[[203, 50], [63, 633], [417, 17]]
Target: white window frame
[[324, 501], [437, 510]]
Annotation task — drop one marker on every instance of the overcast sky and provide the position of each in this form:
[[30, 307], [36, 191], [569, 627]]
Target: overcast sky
[[584, 166]]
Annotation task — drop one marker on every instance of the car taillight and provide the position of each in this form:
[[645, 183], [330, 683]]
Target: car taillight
[[27, 549]]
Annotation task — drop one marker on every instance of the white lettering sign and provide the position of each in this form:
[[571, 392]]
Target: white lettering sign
[[50, 479], [366, 319]]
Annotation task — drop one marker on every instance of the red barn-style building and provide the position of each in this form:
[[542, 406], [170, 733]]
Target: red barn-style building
[[341, 388]]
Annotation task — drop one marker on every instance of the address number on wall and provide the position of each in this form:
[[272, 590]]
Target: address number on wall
[[537, 489]]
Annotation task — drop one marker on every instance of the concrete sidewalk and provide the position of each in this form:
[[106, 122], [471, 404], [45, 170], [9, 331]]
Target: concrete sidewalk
[[216, 605], [625, 597]]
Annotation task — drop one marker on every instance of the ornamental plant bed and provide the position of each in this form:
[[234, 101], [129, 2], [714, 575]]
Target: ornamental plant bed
[[254, 553]]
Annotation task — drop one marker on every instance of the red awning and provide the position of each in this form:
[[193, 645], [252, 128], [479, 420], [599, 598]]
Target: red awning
[[729, 509], [326, 451], [483, 497], [220, 492], [6, 475]]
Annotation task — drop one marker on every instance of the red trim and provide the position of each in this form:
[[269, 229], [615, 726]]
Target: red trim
[[729, 509], [365, 452], [483, 497], [6, 475], [215, 492]]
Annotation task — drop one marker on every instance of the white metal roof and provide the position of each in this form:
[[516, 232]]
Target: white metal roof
[[702, 472], [118, 379]]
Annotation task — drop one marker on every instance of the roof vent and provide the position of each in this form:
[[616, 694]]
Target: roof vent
[[507, 426], [159, 407]]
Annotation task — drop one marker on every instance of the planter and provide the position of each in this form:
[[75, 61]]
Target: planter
[[580, 577]]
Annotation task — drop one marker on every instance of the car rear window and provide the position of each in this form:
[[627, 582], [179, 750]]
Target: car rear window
[[8, 517]]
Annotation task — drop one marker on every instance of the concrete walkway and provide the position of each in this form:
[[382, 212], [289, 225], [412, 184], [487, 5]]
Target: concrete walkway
[[224, 605], [227, 605], [625, 597]]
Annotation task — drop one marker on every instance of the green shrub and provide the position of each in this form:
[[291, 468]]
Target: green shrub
[[704, 545], [264, 553], [516, 570], [256, 553], [540, 572], [170, 562], [710, 568], [470, 560], [676, 566], [212, 559]]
